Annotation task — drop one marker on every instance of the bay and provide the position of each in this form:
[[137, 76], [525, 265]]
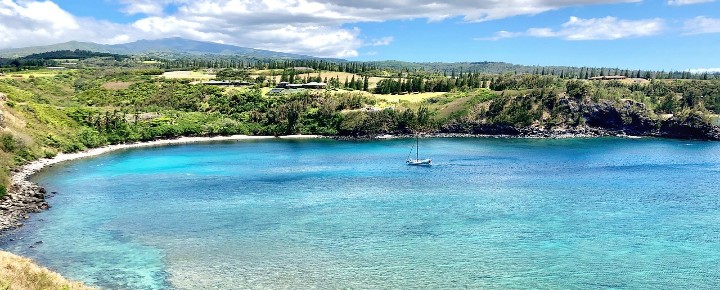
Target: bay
[[491, 213]]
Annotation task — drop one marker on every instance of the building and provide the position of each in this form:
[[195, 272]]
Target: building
[[303, 69], [289, 86], [276, 91], [607, 78], [314, 85], [227, 83]]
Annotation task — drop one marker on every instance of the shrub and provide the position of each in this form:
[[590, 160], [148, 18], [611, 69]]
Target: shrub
[[8, 143]]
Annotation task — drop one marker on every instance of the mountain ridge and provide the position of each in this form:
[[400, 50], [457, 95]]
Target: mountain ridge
[[165, 47]]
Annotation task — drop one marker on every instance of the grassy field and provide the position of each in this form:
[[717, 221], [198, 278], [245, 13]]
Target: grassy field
[[117, 85], [35, 74], [20, 273], [412, 98], [191, 75], [372, 82]]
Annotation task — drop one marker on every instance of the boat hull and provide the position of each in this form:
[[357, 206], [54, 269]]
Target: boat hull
[[418, 162]]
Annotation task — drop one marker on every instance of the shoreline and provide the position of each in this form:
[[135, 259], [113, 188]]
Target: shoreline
[[25, 197]]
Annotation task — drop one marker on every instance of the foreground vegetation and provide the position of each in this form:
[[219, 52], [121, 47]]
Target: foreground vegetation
[[18, 273]]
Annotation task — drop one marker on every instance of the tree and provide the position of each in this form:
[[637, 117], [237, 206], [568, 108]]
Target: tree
[[577, 89], [232, 74], [16, 64]]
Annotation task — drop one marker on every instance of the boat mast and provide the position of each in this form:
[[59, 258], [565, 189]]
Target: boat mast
[[417, 147]]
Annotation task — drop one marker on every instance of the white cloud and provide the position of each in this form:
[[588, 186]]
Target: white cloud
[[705, 70], [313, 27], [147, 7], [687, 2], [607, 28], [702, 25], [382, 41], [24, 23]]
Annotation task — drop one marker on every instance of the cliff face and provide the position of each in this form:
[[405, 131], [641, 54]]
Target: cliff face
[[692, 127], [568, 117], [630, 117]]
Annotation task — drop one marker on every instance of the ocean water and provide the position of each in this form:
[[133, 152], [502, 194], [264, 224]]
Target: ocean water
[[302, 214]]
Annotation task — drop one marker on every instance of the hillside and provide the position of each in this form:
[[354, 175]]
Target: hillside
[[20, 273], [168, 47]]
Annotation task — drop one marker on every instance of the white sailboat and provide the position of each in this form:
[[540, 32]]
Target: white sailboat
[[417, 161]]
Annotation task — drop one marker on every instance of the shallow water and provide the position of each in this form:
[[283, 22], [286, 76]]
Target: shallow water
[[492, 213]]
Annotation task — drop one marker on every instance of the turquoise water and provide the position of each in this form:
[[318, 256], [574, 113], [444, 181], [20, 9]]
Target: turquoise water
[[492, 213]]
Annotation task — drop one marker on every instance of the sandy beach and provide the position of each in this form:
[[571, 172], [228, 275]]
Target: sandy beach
[[25, 197]]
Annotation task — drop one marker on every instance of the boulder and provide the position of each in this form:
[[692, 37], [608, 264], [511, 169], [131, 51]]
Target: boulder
[[694, 126]]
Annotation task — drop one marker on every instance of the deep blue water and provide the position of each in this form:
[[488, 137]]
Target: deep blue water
[[492, 213]]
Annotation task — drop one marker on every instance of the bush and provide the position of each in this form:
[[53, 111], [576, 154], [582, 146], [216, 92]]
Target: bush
[[91, 138], [8, 143]]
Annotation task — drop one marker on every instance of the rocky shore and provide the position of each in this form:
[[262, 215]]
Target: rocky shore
[[25, 197], [543, 133]]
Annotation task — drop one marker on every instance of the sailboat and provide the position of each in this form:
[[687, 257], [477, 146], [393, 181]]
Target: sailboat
[[417, 161]]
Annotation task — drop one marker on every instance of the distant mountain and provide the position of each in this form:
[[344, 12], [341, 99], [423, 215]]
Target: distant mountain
[[168, 47], [72, 45]]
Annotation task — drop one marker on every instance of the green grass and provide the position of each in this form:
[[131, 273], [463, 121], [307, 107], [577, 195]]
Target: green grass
[[412, 98], [43, 73]]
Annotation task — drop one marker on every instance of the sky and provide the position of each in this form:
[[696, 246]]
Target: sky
[[634, 34]]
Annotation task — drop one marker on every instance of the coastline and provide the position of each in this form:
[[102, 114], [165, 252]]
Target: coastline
[[25, 197]]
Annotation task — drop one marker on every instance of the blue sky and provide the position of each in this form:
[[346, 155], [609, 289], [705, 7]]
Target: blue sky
[[637, 34]]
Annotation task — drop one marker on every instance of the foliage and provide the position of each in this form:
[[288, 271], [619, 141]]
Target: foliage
[[73, 111], [71, 54], [233, 74]]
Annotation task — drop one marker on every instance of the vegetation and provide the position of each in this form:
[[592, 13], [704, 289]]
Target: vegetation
[[55, 58], [90, 107], [19, 273]]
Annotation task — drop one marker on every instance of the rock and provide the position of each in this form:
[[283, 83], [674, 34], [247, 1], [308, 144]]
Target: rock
[[693, 126]]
